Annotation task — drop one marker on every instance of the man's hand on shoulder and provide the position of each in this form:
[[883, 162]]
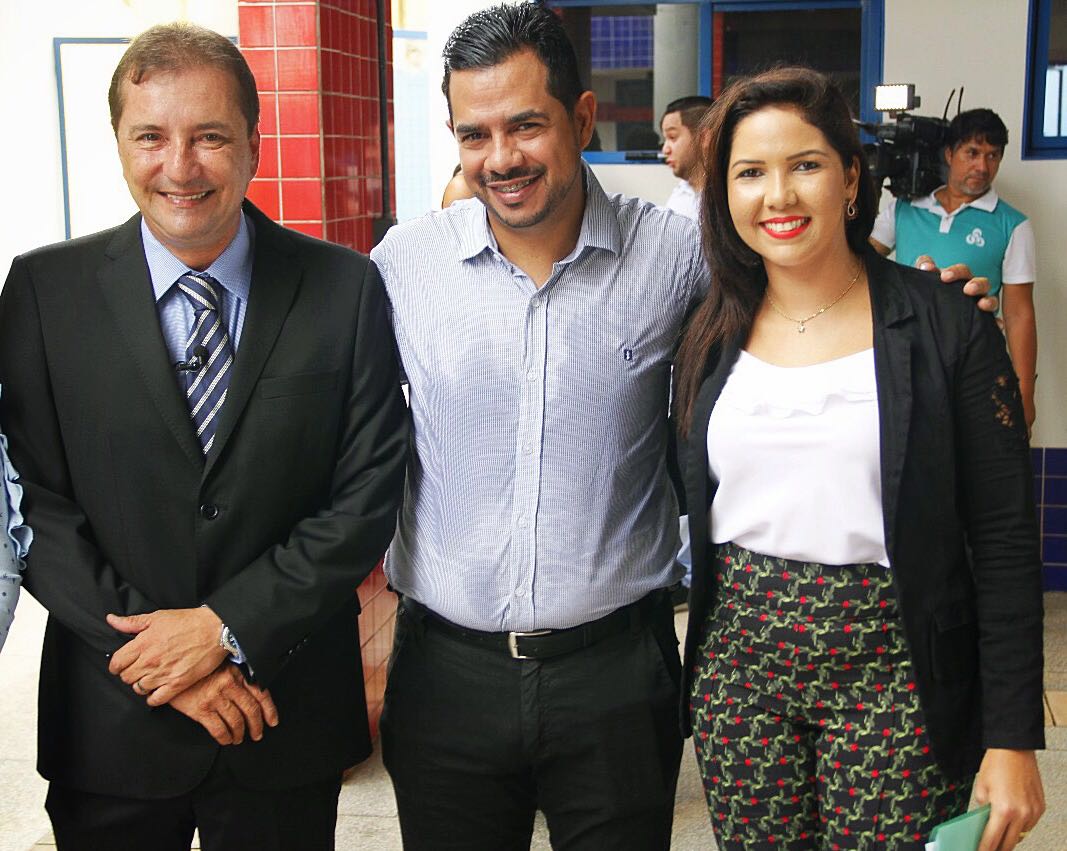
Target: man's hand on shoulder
[[226, 705], [172, 649], [975, 286]]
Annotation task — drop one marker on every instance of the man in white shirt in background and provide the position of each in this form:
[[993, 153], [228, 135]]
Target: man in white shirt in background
[[965, 221], [681, 148], [680, 126]]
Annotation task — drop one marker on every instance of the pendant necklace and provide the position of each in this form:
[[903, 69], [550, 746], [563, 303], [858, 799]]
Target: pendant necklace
[[801, 323]]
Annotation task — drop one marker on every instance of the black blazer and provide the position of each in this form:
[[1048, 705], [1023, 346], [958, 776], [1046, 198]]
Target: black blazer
[[274, 530], [956, 475]]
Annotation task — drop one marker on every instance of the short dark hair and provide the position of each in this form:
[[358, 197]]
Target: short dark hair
[[982, 125], [692, 109], [739, 278], [494, 35], [180, 46]]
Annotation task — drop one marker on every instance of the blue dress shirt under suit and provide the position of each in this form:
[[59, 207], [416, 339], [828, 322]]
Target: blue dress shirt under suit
[[232, 269]]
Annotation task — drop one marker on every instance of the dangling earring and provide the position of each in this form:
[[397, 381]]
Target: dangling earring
[[850, 209]]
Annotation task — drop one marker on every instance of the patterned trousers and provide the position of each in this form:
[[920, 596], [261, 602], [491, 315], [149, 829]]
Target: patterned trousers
[[807, 725]]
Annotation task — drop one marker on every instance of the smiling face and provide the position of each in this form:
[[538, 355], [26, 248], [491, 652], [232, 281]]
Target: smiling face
[[679, 146], [187, 156], [519, 148], [972, 167], [787, 189]]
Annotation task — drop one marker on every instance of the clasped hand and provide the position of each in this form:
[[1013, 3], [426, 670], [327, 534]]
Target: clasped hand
[[175, 658], [171, 650], [226, 705]]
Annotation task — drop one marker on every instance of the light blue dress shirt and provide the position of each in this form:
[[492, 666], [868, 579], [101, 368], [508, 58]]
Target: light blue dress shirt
[[15, 539], [232, 269], [537, 494]]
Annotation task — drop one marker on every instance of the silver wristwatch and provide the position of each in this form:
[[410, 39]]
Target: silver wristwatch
[[228, 643]]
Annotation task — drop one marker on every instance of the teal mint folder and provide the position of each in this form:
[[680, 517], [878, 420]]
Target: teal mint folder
[[961, 833]]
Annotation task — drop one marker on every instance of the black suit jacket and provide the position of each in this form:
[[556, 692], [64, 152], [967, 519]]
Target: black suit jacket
[[274, 530], [956, 476]]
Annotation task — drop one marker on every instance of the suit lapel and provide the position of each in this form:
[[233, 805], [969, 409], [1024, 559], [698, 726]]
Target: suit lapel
[[275, 278], [893, 338], [127, 291]]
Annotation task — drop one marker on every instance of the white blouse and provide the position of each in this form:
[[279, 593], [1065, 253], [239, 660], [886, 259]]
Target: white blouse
[[796, 453]]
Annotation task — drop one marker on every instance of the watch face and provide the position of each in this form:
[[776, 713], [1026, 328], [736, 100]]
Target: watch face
[[227, 641]]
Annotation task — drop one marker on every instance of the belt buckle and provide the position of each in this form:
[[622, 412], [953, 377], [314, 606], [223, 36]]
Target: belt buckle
[[513, 641]]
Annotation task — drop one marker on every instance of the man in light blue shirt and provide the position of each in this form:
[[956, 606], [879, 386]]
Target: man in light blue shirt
[[536, 663]]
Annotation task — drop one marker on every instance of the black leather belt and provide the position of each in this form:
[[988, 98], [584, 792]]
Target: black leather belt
[[546, 643]]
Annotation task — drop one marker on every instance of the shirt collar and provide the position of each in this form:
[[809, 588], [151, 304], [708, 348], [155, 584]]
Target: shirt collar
[[232, 268], [987, 203], [600, 224]]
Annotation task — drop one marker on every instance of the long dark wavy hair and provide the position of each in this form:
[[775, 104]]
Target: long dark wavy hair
[[738, 278]]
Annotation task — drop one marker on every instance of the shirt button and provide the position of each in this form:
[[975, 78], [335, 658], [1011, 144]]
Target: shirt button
[[527, 449], [521, 522], [536, 301], [209, 511], [520, 592], [531, 376]]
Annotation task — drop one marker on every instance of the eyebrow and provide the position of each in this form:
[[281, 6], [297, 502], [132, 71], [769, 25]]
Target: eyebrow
[[795, 156], [518, 118], [155, 128]]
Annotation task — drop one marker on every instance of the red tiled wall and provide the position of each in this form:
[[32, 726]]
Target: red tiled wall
[[376, 639], [316, 67], [280, 42], [350, 118]]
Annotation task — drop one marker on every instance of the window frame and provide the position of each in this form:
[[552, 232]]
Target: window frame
[[1035, 145], [872, 42]]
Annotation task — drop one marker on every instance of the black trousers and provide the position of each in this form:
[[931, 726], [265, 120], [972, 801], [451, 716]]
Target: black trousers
[[476, 742], [230, 817]]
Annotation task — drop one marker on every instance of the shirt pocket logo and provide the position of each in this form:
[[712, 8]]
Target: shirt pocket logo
[[975, 238]]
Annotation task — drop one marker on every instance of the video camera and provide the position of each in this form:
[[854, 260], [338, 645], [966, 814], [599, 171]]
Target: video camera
[[908, 151]]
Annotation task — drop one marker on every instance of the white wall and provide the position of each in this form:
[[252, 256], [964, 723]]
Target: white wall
[[939, 46], [677, 35], [29, 147], [650, 181], [442, 19]]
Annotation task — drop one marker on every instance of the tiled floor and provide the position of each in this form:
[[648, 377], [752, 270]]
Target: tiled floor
[[367, 813]]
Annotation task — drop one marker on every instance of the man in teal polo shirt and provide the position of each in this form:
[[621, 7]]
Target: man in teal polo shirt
[[965, 221]]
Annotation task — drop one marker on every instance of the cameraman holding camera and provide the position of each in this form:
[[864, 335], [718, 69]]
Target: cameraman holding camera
[[965, 221]]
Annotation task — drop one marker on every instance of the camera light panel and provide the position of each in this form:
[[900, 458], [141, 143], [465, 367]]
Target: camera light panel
[[894, 97]]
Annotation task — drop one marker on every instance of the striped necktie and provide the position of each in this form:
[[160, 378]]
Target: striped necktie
[[209, 347]]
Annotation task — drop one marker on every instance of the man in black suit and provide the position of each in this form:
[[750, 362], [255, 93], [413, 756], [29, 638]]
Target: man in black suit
[[206, 412]]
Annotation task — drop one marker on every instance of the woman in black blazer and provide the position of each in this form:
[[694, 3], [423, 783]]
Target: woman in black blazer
[[865, 628]]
